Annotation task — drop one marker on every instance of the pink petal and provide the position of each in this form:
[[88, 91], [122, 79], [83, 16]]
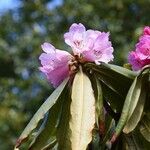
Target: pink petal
[[134, 61], [75, 36], [54, 64], [141, 56], [146, 30], [47, 59], [48, 48], [77, 27], [57, 75], [101, 50], [92, 45]]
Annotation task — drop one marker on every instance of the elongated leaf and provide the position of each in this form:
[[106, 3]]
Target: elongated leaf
[[111, 83], [41, 112], [114, 68], [51, 146], [135, 95], [116, 101], [47, 132], [135, 140], [82, 112], [137, 103], [145, 127], [131, 142], [129, 106], [123, 71], [110, 126], [63, 131], [99, 99], [111, 78], [137, 113], [135, 118], [95, 145]]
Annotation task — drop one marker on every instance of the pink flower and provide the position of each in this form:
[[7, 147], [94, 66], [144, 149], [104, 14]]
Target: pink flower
[[146, 30], [54, 64], [87, 46], [141, 56], [90, 45]]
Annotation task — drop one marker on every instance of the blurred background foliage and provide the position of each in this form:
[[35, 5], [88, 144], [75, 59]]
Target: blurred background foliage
[[23, 88]]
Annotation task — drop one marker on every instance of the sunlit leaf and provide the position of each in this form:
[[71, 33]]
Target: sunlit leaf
[[137, 113], [47, 132], [129, 106], [41, 112], [82, 112], [51, 146], [121, 70]]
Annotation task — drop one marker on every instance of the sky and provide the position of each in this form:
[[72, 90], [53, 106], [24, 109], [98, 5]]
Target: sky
[[8, 4], [13, 4]]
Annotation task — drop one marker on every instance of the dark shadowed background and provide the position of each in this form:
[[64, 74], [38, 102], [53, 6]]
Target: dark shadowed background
[[26, 24]]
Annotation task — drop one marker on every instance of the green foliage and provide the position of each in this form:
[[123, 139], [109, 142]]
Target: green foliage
[[47, 131], [23, 89], [145, 127], [133, 120], [45, 107]]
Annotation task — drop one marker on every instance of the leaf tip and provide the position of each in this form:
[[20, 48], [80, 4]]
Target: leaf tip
[[114, 138], [125, 130], [18, 143]]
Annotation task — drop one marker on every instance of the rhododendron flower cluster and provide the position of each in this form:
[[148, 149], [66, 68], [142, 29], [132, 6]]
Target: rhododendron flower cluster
[[87, 46], [141, 56]]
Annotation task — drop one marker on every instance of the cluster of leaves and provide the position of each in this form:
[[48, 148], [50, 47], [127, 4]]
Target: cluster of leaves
[[23, 89], [120, 98]]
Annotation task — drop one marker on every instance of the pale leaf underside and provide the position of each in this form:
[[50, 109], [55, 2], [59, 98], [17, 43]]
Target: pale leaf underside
[[82, 112]]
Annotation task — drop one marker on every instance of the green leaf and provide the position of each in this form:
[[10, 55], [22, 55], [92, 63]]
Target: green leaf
[[129, 106], [51, 146], [131, 142], [63, 131], [99, 99], [134, 95], [135, 118], [82, 112], [41, 112], [111, 83], [121, 70], [145, 127], [134, 140], [111, 78], [137, 113], [109, 128], [95, 144], [116, 101], [47, 132]]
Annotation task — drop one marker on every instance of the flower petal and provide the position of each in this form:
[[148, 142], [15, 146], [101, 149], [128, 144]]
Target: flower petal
[[75, 36], [54, 64], [146, 30], [141, 56], [48, 48], [90, 45]]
